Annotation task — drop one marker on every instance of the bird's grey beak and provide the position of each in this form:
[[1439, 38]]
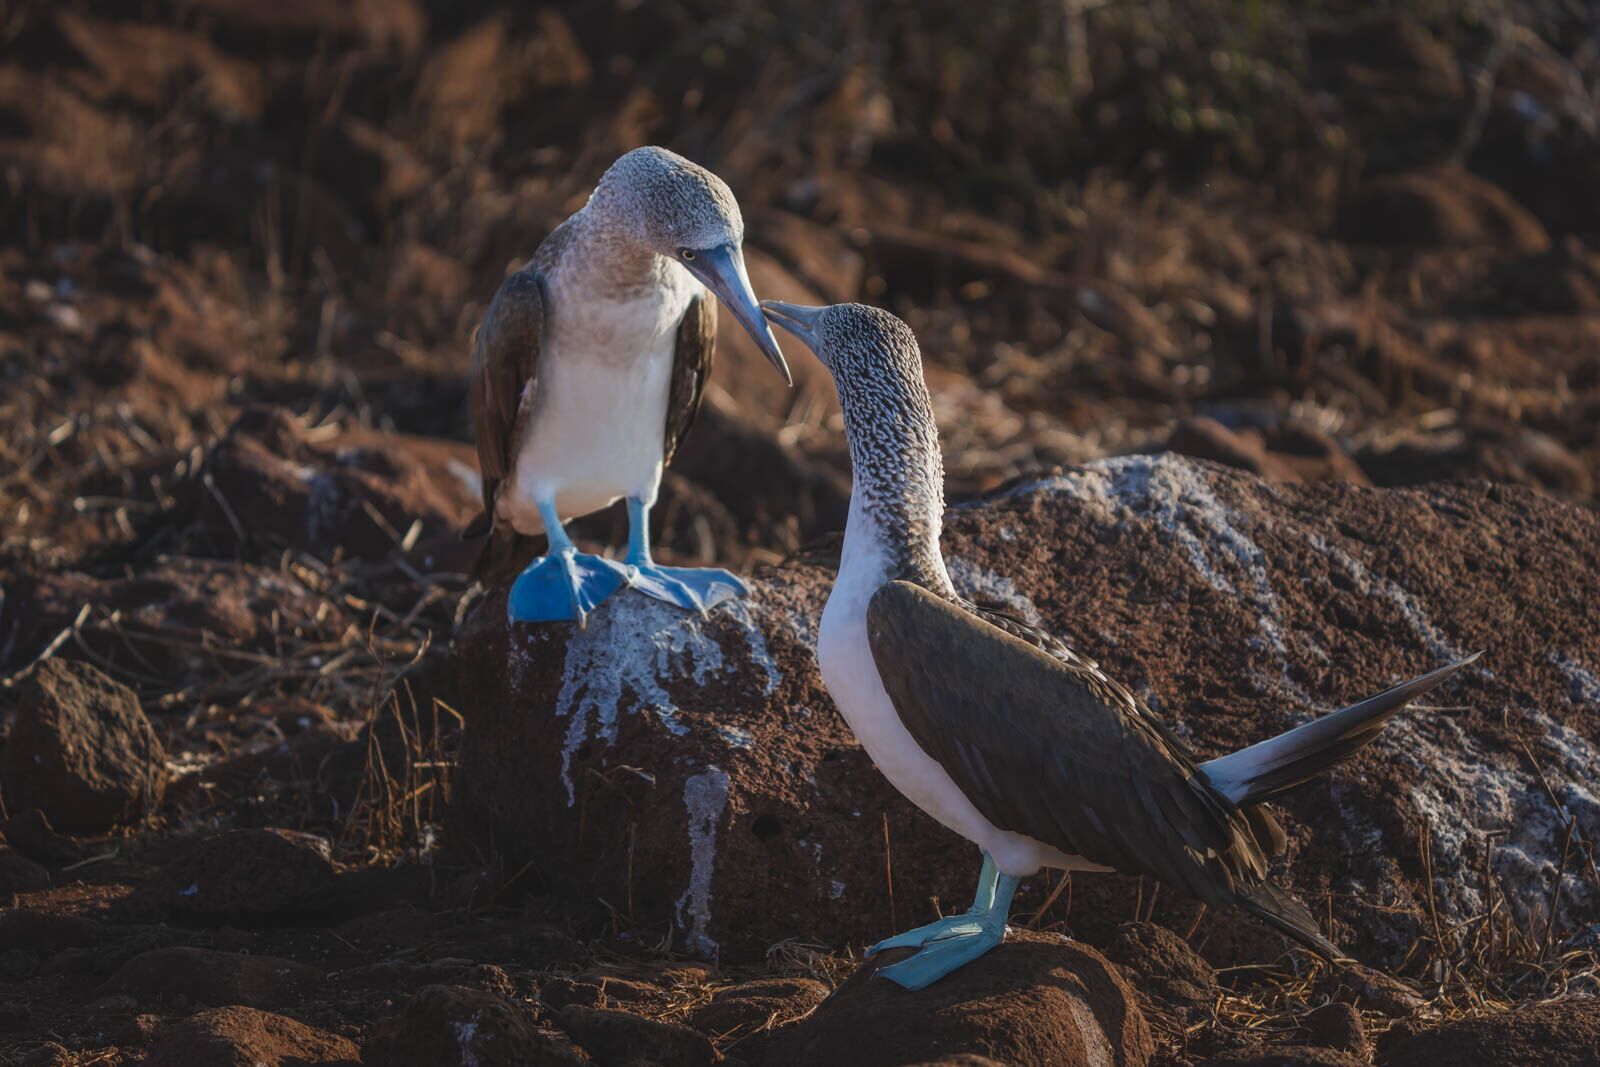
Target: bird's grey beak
[[722, 271], [799, 319]]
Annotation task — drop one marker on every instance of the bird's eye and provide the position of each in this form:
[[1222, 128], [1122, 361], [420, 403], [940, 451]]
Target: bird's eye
[[686, 254]]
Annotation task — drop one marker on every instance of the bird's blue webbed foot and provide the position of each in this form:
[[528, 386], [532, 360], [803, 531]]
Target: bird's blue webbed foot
[[693, 588], [964, 939], [564, 586], [955, 940]]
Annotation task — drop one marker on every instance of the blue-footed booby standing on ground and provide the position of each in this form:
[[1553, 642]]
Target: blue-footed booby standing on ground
[[588, 370], [1000, 731]]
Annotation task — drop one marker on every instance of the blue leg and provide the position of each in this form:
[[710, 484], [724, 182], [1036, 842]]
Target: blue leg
[[564, 584], [955, 941], [693, 588]]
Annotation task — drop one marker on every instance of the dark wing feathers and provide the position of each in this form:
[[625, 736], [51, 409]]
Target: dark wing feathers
[[505, 365], [1046, 745], [691, 366]]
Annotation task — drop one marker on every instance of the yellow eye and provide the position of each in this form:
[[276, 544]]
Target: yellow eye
[[686, 254]]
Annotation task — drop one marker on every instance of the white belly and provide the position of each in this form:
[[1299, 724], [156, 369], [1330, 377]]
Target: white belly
[[852, 679], [597, 426]]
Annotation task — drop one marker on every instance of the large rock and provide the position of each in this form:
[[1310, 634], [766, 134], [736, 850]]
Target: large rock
[[691, 772], [471, 1027], [81, 750], [185, 975], [272, 481], [245, 1037], [245, 876], [1562, 1034], [1035, 1000]]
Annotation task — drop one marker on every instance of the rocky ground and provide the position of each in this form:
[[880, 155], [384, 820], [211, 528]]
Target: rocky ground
[[1264, 352]]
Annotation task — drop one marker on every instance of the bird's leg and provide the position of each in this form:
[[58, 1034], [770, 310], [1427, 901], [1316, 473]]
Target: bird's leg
[[693, 588], [563, 584], [954, 941]]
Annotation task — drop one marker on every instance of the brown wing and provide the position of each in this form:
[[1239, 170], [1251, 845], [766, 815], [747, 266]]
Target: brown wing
[[691, 366], [505, 367], [1056, 751]]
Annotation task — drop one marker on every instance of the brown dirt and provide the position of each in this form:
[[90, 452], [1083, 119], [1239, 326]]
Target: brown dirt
[[241, 252]]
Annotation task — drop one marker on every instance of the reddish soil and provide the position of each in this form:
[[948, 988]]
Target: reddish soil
[[242, 249]]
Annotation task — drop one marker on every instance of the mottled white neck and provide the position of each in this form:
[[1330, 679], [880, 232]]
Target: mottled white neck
[[873, 555]]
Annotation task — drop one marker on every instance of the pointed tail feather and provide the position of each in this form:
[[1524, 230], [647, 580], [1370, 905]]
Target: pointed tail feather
[[1288, 916], [1280, 763]]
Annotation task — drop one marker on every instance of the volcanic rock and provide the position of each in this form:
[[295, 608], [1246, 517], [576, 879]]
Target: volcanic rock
[[453, 1025], [1561, 1034], [271, 481], [693, 771], [46, 932], [205, 976], [246, 876], [81, 750], [1371, 990], [245, 1037], [1035, 1000], [1285, 1056], [168, 621], [31, 834], [1338, 1026], [1162, 963], [612, 1036], [19, 874]]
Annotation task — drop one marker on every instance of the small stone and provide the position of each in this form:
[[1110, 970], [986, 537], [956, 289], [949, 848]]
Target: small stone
[[1338, 1026], [81, 749], [19, 874]]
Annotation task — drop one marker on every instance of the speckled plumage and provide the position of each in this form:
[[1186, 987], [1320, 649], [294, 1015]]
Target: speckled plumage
[[893, 438]]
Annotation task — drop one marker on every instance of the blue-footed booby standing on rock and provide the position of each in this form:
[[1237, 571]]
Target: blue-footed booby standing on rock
[[587, 371], [999, 730]]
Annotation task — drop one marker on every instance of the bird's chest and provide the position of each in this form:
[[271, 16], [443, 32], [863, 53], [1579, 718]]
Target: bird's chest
[[847, 665], [597, 419]]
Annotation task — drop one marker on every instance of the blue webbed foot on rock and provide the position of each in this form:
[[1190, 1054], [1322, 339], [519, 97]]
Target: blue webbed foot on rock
[[955, 940], [963, 939], [692, 588], [564, 587]]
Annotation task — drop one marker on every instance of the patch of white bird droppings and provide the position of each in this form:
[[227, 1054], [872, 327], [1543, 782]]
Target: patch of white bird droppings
[[736, 736], [1377, 586], [980, 584], [629, 649], [1582, 684], [465, 1032], [705, 795]]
